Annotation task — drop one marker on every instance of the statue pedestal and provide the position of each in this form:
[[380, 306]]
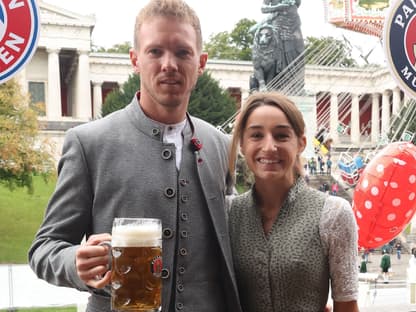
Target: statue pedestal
[[307, 106]]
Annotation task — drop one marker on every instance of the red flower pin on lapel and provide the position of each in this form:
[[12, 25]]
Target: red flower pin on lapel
[[196, 146]]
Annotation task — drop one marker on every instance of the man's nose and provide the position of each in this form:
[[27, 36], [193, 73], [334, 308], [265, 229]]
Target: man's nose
[[169, 62]]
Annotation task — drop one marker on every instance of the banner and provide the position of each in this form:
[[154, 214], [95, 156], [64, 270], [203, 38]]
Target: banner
[[19, 33], [399, 41]]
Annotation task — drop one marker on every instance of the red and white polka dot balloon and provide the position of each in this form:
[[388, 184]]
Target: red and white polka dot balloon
[[385, 196]]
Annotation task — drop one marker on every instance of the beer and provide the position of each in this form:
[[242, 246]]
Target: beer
[[136, 267]]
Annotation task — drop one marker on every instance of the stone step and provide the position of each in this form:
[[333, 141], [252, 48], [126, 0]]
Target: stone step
[[317, 180], [390, 284], [399, 267]]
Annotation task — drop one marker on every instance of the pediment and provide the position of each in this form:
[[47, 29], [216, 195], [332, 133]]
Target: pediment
[[51, 14]]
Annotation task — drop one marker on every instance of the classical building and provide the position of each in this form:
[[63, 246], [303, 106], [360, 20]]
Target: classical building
[[355, 105]]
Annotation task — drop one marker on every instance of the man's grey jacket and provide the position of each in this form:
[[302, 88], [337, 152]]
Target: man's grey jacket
[[119, 166]]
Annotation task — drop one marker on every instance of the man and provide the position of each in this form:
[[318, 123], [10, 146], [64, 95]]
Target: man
[[150, 159], [398, 250], [385, 265]]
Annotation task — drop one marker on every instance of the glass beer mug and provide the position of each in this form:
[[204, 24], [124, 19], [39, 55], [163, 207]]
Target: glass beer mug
[[136, 265]]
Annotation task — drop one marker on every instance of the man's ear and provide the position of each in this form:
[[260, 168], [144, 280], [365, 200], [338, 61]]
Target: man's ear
[[134, 61], [203, 58]]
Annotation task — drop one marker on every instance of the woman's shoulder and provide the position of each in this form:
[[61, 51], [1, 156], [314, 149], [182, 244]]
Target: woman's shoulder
[[242, 199], [337, 214]]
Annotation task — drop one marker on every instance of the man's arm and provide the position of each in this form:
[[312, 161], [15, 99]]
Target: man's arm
[[67, 220], [350, 306]]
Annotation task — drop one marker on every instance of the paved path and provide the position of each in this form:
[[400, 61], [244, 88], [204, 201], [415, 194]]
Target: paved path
[[398, 266], [29, 291]]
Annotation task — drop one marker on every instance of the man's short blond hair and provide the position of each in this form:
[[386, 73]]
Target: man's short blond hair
[[168, 8]]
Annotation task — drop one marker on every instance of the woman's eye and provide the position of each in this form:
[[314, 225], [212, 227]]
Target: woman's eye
[[282, 136], [256, 135]]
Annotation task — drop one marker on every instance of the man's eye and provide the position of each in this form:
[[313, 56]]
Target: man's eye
[[155, 52], [183, 53]]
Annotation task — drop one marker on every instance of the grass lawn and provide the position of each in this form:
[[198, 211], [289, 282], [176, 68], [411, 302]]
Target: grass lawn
[[21, 214]]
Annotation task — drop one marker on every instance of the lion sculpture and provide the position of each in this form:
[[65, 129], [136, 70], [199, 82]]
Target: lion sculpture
[[266, 57]]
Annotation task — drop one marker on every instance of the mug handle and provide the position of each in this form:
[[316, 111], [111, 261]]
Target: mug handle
[[108, 244]]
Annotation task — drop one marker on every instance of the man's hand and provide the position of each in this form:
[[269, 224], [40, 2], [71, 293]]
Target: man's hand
[[92, 261], [328, 308]]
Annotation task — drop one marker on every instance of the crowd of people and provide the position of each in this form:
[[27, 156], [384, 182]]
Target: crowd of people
[[310, 169], [318, 165], [385, 265]]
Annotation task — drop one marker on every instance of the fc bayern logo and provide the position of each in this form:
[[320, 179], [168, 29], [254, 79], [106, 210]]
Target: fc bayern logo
[[19, 33]]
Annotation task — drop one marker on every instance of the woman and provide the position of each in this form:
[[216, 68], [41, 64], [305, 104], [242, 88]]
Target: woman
[[288, 240]]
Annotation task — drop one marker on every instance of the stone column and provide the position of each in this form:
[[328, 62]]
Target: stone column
[[97, 98], [22, 80], [83, 91], [355, 119], [333, 118], [413, 225], [53, 100], [375, 118], [396, 101], [385, 113]]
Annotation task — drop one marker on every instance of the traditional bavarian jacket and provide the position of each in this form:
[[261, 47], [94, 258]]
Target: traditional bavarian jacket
[[119, 166]]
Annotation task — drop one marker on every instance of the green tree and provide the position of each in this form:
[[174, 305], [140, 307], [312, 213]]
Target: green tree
[[22, 155], [243, 38], [328, 51], [118, 99], [208, 101], [234, 45], [117, 48], [219, 46]]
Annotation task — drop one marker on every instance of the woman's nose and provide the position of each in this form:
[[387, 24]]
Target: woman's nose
[[270, 144]]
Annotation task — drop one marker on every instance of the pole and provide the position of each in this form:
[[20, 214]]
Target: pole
[[11, 304]]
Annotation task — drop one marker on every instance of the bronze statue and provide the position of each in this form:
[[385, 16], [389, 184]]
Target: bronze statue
[[283, 18], [267, 54]]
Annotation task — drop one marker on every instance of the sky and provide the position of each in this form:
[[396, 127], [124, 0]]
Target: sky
[[115, 23]]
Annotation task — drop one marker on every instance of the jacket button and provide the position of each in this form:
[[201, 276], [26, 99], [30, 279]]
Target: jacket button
[[166, 154], [167, 233], [181, 270], [184, 198], [179, 287], [179, 306], [165, 273], [169, 192], [184, 234], [155, 131], [184, 216], [183, 252], [183, 182]]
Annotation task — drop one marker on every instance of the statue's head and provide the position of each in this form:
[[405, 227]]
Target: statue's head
[[265, 36]]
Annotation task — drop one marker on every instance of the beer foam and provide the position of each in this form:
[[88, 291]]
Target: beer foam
[[136, 236]]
